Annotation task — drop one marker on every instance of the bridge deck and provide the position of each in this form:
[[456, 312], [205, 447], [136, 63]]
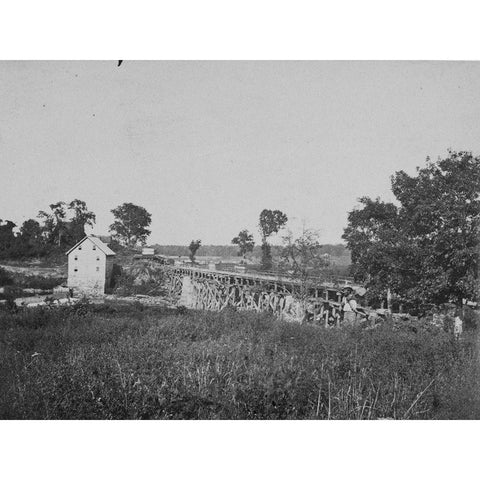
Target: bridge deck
[[215, 289], [316, 282]]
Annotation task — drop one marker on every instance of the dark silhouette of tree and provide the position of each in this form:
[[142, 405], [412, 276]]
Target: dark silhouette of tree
[[54, 223], [5, 278], [63, 232], [7, 238], [82, 217], [426, 249], [130, 225], [270, 222], [57, 231], [245, 242], [193, 247], [31, 238]]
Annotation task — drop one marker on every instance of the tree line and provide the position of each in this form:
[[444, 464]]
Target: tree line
[[334, 250], [63, 225]]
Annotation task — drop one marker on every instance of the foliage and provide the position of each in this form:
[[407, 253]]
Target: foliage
[[31, 237], [245, 242], [122, 362], [124, 285], [426, 249], [145, 278], [5, 278], [60, 229], [303, 256], [7, 237], [130, 225], [82, 217], [381, 256], [193, 247], [270, 222], [54, 222]]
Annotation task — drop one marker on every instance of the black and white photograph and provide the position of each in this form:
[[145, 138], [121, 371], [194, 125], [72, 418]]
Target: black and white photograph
[[239, 242]]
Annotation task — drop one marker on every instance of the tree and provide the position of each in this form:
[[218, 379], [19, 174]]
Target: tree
[[382, 256], [30, 238], [426, 249], [62, 231], [130, 225], [54, 222], [81, 217], [5, 278], [270, 222], [7, 238], [193, 247], [303, 258], [31, 231], [245, 242]]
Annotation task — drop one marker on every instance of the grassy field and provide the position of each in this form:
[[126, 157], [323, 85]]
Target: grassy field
[[129, 362]]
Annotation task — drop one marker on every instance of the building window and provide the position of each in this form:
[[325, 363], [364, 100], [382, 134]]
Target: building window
[[79, 248], [75, 270], [94, 247], [98, 269], [98, 259], [76, 258]]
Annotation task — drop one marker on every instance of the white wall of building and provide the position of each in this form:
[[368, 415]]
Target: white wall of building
[[88, 269]]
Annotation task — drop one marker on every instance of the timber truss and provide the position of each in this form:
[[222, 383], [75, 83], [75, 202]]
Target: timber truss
[[216, 290]]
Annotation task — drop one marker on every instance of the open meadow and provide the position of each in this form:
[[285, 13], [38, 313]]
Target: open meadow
[[131, 362]]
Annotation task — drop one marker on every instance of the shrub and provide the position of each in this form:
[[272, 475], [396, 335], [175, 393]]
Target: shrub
[[12, 291], [5, 278], [471, 318]]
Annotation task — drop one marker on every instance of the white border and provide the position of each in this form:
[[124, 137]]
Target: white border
[[242, 30], [250, 29], [244, 450]]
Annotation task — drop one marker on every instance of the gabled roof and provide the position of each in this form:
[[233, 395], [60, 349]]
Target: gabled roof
[[96, 241]]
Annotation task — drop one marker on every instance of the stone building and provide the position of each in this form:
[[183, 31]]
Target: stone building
[[90, 266]]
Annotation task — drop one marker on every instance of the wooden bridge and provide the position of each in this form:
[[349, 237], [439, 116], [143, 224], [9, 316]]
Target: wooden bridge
[[280, 294]]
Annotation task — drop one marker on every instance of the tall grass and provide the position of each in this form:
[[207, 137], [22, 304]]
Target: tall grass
[[112, 362]]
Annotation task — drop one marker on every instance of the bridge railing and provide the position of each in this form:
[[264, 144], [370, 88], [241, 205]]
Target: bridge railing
[[273, 276]]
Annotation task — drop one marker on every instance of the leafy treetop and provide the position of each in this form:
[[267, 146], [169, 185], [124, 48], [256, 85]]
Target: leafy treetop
[[426, 248], [245, 242], [193, 247], [130, 225]]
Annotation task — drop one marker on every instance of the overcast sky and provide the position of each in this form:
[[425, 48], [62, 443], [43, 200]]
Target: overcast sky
[[205, 146]]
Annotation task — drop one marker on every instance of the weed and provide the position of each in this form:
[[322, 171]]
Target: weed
[[116, 362]]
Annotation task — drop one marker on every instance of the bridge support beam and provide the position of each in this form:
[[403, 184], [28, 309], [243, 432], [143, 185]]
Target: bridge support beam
[[212, 290]]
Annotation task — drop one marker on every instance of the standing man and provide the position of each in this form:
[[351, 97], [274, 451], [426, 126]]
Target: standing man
[[350, 313], [458, 323]]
